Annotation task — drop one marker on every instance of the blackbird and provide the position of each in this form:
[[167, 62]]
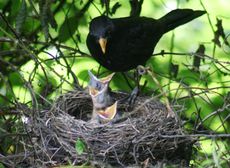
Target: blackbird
[[105, 101], [122, 44], [101, 99], [98, 84], [102, 95], [104, 106]]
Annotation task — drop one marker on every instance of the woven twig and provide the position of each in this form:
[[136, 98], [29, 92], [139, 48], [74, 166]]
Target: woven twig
[[131, 140]]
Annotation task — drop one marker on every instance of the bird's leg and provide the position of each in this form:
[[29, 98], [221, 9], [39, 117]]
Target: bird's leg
[[138, 73], [132, 97]]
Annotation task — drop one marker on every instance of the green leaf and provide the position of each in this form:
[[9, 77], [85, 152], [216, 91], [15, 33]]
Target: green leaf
[[15, 79], [45, 16], [79, 146], [116, 6], [1, 165], [68, 28], [21, 17]]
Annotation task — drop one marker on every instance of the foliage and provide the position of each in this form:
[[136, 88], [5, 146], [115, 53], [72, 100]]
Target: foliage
[[79, 146], [43, 54]]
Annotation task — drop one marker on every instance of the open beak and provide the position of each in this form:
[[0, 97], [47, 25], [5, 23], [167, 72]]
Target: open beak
[[109, 113], [93, 92], [103, 42], [107, 79]]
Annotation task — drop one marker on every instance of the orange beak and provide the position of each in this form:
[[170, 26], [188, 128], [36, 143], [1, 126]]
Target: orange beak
[[103, 42]]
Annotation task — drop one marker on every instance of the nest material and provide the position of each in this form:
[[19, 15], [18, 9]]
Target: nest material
[[143, 134]]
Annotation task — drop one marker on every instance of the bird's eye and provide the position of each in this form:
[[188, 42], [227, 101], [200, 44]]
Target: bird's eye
[[108, 32]]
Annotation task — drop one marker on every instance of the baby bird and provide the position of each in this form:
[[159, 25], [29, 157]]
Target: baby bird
[[104, 106], [98, 84]]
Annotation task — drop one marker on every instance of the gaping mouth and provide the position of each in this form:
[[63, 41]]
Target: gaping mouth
[[93, 92], [109, 113]]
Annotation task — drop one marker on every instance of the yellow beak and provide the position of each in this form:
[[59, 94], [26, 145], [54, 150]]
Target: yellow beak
[[107, 79], [109, 113], [103, 42], [93, 92]]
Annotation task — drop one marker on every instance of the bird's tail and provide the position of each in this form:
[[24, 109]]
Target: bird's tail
[[179, 17]]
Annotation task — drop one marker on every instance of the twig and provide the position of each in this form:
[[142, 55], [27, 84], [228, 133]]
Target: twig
[[197, 135]]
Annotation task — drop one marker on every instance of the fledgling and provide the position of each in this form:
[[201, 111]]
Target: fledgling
[[104, 106], [104, 103], [102, 98], [98, 84]]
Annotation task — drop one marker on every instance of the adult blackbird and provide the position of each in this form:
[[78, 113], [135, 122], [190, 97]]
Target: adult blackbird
[[122, 44]]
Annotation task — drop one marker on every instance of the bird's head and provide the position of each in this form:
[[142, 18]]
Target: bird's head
[[100, 98], [101, 28], [98, 84]]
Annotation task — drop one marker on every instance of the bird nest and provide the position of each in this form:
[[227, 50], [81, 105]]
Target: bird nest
[[143, 135]]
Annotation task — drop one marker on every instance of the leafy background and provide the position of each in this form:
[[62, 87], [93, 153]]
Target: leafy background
[[43, 54]]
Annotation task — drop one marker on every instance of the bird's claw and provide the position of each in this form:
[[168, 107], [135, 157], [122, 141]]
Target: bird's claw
[[132, 98]]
